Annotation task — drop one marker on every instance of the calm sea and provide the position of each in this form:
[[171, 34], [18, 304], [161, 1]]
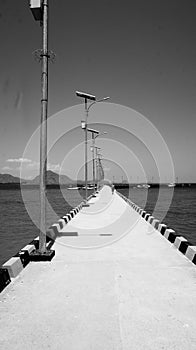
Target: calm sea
[[17, 228]]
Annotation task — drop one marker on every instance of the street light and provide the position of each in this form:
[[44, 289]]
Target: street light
[[87, 97], [96, 157], [93, 132], [93, 150], [99, 169], [39, 9], [36, 9]]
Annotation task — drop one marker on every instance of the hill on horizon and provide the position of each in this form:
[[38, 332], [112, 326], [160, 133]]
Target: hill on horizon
[[52, 179], [7, 178]]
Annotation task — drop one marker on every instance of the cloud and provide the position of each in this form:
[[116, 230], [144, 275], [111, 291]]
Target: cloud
[[18, 160], [32, 165], [5, 168], [35, 165], [54, 167], [28, 164]]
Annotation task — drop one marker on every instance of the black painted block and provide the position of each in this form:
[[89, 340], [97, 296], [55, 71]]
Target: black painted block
[[60, 224], [65, 218], [172, 236], [147, 216], [163, 229], [194, 260], [35, 242], [24, 257], [4, 278], [37, 256], [156, 225], [183, 246]]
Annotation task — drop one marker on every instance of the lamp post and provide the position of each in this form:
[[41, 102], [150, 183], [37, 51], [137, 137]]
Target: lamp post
[[93, 132], [96, 157], [39, 9], [85, 127], [93, 150], [99, 169]]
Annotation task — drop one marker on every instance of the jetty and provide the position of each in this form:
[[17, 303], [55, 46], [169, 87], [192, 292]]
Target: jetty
[[119, 280]]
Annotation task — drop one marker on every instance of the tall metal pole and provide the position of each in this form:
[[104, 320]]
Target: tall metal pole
[[43, 130], [93, 138], [86, 98], [86, 157], [96, 148]]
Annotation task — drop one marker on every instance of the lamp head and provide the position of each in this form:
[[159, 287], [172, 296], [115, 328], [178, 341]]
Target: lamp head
[[83, 124], [85, 95]]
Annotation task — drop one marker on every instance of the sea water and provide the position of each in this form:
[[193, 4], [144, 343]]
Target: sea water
[[17, 228]]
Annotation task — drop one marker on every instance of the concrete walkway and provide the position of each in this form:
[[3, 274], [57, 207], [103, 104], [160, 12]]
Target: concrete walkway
[[117, 284]]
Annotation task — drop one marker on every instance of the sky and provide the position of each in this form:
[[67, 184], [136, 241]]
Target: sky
[[140, 53]]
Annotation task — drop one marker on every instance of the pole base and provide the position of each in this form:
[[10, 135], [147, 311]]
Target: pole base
[[46, 256]]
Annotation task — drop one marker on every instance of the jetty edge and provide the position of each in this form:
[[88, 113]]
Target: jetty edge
[[12, 267], [137, 292], [185, 247]]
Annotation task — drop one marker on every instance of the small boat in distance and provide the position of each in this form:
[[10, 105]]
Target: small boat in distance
[[172, 184], [143, 186], [73, 188], [146, 186]]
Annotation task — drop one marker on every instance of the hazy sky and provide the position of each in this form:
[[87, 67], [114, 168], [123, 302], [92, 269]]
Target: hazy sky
[[141, 53]]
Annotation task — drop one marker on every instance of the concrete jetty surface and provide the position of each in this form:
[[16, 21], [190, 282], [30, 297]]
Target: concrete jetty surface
[[114, 283]]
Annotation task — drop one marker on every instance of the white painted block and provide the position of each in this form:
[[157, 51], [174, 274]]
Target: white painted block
[[56, 228], [150, 218], [66, 218], [160, 227], [178, 241], [35, 3], [167, 232], [155, 222], [61, 223], [14, 266], [191, 251], [29, 248]]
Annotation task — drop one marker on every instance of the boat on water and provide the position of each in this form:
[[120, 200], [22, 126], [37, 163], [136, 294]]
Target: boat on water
[[143, 186], [172, 184], [146, 186], [73, 188], [89, 187]]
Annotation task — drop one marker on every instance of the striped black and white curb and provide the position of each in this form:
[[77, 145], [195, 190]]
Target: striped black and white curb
[[11, 268], [181, 243]]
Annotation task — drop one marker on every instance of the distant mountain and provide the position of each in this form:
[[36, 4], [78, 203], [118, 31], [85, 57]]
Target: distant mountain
[[7, 178], [52, 179]]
